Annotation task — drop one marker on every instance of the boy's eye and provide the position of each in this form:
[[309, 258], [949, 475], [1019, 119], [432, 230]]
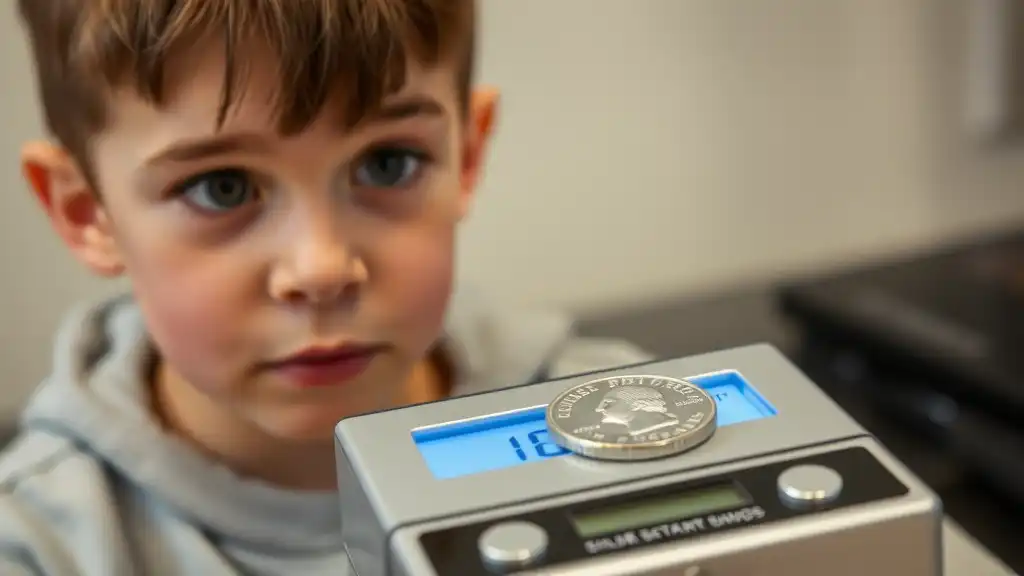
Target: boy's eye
[[389, 168], [219, 191]]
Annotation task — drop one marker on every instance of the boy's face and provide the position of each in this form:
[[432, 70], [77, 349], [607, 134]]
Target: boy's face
[[245, 248]]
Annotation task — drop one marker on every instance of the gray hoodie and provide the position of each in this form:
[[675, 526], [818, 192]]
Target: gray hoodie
[[93, 487]]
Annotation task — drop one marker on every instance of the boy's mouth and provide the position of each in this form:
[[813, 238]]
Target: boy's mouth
[[326, 366]]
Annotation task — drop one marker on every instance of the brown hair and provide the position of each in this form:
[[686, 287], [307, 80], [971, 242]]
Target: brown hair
[[84, 48]]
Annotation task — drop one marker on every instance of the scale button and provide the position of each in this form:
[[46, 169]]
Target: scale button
[[512, 544], [809, 485]]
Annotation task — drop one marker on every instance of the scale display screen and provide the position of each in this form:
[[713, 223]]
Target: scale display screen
[[514, 438]]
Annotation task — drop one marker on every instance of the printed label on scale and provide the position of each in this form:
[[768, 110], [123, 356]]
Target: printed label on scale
[[673, 530]]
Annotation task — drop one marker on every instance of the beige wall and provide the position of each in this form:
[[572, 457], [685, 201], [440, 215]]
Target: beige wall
[[651, 147]]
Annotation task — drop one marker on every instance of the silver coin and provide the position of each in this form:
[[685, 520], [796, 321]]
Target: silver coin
[[636, 417]]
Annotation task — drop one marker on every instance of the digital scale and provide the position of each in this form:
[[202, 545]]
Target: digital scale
[[787, 485]]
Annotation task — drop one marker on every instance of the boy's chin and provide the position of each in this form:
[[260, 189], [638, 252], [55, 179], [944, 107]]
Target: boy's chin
[[311, 425]]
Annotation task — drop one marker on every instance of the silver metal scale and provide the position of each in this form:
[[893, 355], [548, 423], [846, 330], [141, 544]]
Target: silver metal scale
[[731, 463]]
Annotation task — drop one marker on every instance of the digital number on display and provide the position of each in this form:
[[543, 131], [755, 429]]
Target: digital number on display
[[537, 444]]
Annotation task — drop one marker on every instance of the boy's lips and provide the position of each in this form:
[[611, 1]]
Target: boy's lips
[[325, 366]]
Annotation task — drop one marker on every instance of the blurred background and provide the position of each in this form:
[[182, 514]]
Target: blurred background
[[662, 167]]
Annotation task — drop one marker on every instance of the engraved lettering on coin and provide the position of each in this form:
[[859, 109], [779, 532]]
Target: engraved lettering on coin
[[632, 417]]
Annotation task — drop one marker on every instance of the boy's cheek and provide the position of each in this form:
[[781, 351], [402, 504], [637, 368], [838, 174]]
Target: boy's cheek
[[418, 287], [193, 324]]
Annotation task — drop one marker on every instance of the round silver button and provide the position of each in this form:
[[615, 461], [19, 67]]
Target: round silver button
[[809, 485], [512, 544]]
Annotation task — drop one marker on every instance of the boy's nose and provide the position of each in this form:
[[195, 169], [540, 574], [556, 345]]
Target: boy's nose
[[320, 269]]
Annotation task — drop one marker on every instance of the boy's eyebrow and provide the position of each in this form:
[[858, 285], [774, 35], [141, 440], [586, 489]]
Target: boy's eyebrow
[[202, 148], [231, 143], [407, 108]]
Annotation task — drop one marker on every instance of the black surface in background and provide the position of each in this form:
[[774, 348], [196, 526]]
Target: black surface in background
[[953, 314], [730, 320]]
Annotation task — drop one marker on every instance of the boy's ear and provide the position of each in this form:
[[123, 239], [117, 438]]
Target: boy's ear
[[481, 117], [74, 209]]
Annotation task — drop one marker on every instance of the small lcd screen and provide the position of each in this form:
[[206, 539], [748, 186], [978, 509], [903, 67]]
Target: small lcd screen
[[659, 509], [489, 443], [504, 440]]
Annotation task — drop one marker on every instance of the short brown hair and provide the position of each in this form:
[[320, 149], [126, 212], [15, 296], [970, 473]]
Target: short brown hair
[[83, 48]]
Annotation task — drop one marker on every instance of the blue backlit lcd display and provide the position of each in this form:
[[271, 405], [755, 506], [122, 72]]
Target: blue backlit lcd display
[[503, 440]]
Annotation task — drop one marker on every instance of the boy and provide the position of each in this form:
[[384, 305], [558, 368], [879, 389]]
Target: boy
[[186, 429]]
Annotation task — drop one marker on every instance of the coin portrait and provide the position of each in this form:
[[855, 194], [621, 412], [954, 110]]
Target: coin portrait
[[640, 410]]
